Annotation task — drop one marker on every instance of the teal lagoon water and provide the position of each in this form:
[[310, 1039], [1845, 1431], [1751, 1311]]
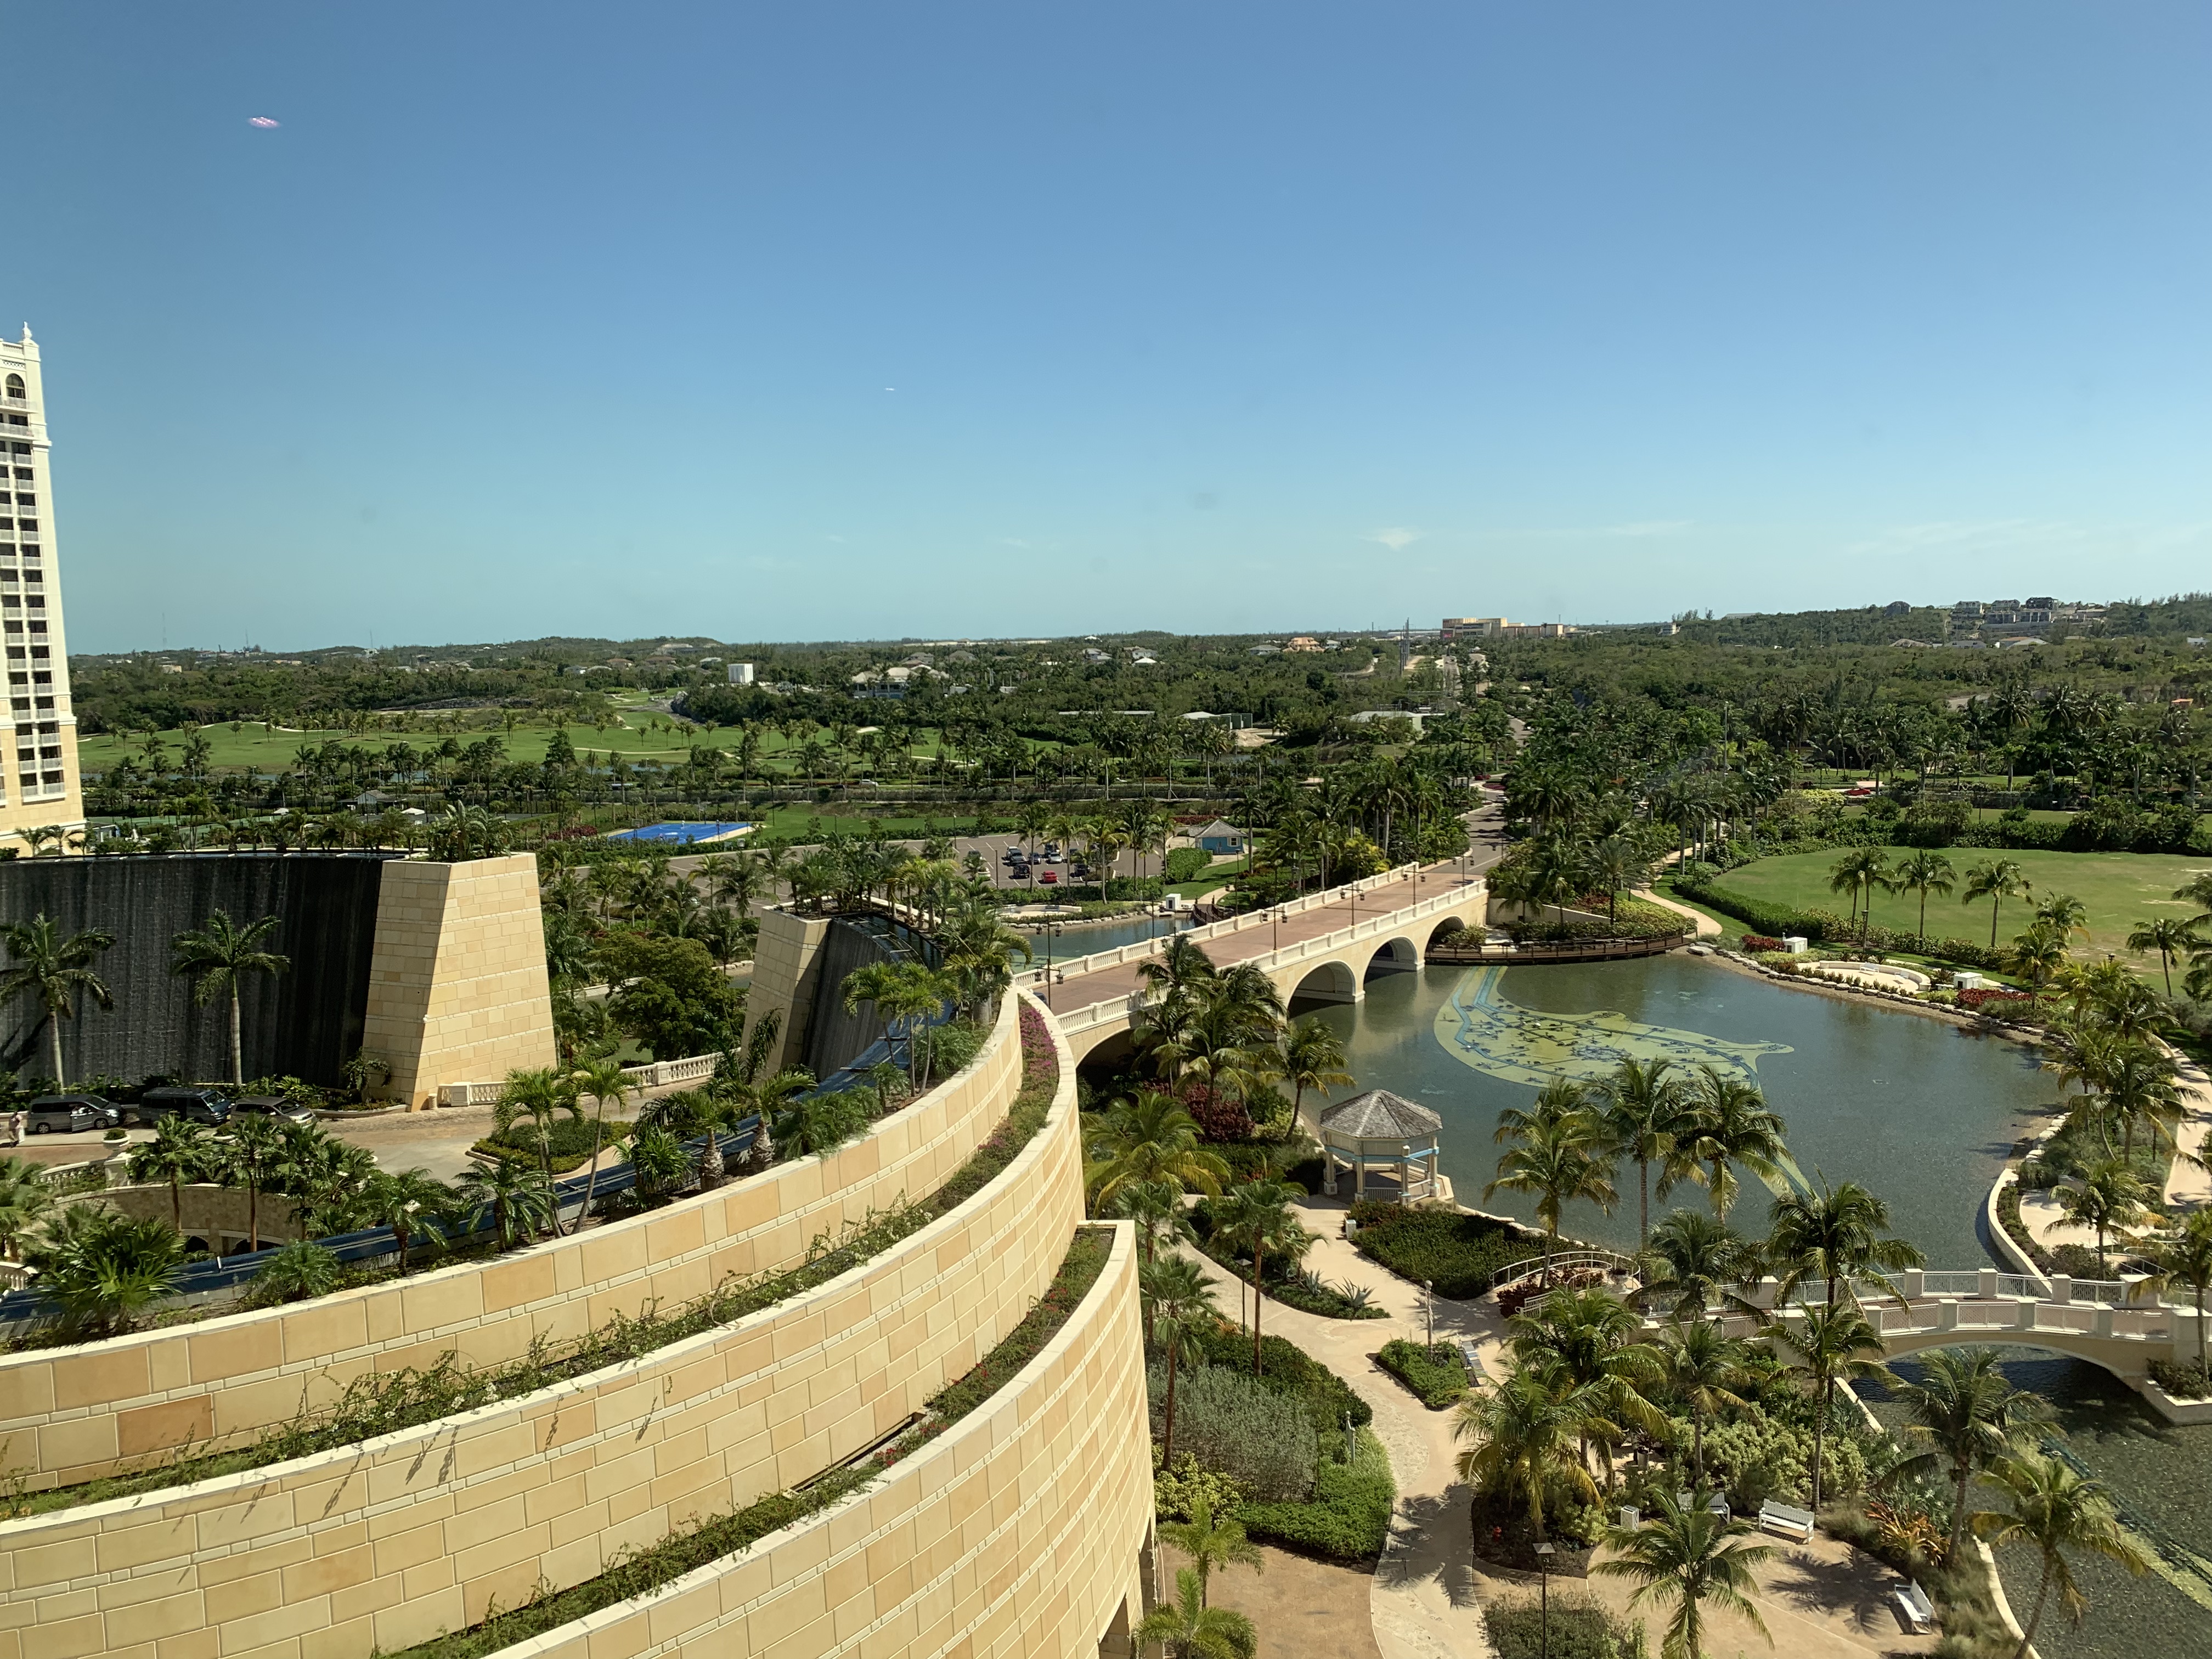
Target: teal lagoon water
[[1920, 1110]]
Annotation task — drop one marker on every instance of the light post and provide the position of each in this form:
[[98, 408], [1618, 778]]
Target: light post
[[1544, 1617], [1051, 932], [1429, 1290]]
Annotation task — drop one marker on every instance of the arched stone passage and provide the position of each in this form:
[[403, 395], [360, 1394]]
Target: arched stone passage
[[1447, 926], [1397, 956], [2126, 1360], [1327, 981]]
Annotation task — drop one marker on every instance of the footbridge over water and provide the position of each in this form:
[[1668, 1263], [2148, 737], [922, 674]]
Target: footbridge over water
[[1321, 948]]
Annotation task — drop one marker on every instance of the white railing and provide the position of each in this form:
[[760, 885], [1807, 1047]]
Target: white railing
[[1949, 1284], [1565, 1261], [653, 1074]]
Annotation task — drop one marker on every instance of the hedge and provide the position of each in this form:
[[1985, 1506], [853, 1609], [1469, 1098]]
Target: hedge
[[1771, 923], [1348, 1518], [1437, 1376], [1463, 1255], [570, 1141], [1188, 863], [1288, 1369]]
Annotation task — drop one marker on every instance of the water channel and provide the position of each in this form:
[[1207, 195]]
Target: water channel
[[1923, 1112]]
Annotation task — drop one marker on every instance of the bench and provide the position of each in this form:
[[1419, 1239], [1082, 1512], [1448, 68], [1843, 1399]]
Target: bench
[[1785, 1520], [1473, 1361], [1715, 1505], [1914, 1607]]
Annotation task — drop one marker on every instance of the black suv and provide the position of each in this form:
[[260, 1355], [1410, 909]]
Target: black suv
[[193, 1105], [69, 1115]]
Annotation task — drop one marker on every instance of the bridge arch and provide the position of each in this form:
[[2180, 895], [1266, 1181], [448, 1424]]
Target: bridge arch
[[2128, 1361], [1327, 981], [1396, 956], [1445, 925]]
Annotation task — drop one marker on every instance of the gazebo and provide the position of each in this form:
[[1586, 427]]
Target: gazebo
[[1384, 1131]]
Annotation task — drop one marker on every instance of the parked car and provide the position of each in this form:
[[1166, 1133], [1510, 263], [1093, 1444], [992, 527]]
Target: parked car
[[1049, 876], [193, 1105], [276, 1106], [50, 1115]]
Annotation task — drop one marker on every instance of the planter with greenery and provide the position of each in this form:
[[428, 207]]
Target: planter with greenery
[[1461, 1255], [1436, 1377]]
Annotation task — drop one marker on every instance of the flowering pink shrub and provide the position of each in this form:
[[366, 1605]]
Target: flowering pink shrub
[[1974, 1001]]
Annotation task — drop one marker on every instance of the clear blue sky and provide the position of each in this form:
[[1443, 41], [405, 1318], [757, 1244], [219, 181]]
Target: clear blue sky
[[563, 318]]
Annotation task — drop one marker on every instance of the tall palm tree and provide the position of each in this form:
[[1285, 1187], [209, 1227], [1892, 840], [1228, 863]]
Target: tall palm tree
[[1558, 1163], [1255, 1216], [519, 1199], [2038, 956], [1732, 1126], [1211, 1544], [2186, 1258], [539, 1093], [1524, 1438], [2171, 937], [53, 972], [1177, 1300], [1596, 1341], [2107, 1199], [178, 1152], [1859, 871], [2063, 914], [256, 1155], [1686, 1553], [1995, 880], [1695, 1262], [1648, 1116], [217, 958], [409, 1202], [603, 1080], [1150, 1138], [1964, 1416], [1836, 1234], [1189, 1629], [1836, 1342], [2056, 1511], [1923, 872], [1313, 1058], [1702, 1367], [1157, 1208]]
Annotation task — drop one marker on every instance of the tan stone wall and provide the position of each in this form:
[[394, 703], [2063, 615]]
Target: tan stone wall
[[457, 990], [215, 1213], [787, 969], [1018, 1530], [68, 1414]]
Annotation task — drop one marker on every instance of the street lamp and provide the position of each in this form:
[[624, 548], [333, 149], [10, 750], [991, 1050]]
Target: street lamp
[[1051, 932], [1429, 1288], [1543, 1626]]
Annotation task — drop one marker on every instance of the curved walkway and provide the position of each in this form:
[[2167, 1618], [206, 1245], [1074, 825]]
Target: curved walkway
[[1707, 928]]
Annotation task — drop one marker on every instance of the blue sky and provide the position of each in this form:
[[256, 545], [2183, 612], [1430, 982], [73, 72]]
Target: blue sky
[[843, 320]]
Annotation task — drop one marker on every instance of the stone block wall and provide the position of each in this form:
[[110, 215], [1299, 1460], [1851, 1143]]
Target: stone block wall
[[68, 1414], [786, 978], [1015, 1534], [457, 992]]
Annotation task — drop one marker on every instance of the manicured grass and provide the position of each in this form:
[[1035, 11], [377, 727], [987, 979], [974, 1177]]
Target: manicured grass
[[2121, 889]]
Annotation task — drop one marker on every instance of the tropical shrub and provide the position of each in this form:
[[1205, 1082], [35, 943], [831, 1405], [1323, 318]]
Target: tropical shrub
[[1576, 1627], [1188, 863], [1462, 1254], [1289, 1368], [1176, 1493], [1756, 1458], [1260, 1438], [1348, 1518], [1437, 1376], [2189, 1381], [100, 1271], [298, 1271], [569, 1140]]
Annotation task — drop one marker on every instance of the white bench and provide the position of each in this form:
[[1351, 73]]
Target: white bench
[[1785, 1520], [1912, 1603]]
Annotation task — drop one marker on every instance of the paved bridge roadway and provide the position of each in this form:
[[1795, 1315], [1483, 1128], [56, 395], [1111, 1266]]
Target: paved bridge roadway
[[1322, 947]]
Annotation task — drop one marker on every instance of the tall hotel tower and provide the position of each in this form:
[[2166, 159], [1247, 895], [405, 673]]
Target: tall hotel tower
[[41, 803]]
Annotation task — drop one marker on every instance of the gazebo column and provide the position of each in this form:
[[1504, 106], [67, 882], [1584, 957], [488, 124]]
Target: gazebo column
[[1359, 1177], [1329, 1170]]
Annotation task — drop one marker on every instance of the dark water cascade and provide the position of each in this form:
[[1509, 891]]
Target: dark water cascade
[[305, 1023], [833, 1038]]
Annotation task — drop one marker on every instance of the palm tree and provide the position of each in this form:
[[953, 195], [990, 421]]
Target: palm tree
[[1210, 1546], [255, 1156], [1178, 1299], [1686, 1553], [1836, 1342], [2108, 1199], [1525, 1438], [1702, 1367], [1997, 881], [101, 1270], [2171, 937], [1693, 1263], [2186, 1258], [539, 1093], [1734, 1127], [409, 1202], [2063, 914], [25, 1203], [217, 958], [603, 1080], [2056, 1511], [54, 972], [517, 1199], [1646, 1114], [2037, 956], [1313, 1058], [1255, 1216], [1594, 1340], [1191, 1630], [1924, 873], [1157, 1208], [1836, 1234], [1966, 1416], [1559, 1163], [1615, 863], [1859, 871], [1151, 1138], [179, 1151]]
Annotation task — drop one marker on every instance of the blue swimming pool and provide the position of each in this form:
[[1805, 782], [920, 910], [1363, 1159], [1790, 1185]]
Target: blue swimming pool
[[680, 834]]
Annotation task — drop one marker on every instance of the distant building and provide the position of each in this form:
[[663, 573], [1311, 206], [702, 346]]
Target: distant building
[[741, 673], [1220, 837], [1302, 643], [1498, 627], [40, 791]]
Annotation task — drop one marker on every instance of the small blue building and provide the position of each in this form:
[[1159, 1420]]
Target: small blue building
[[1220, 836]]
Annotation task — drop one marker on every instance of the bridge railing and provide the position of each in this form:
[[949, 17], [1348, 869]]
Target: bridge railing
[[1565, 1261]]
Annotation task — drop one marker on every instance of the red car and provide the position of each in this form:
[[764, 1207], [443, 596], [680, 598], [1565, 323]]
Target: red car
[[1049, 876]]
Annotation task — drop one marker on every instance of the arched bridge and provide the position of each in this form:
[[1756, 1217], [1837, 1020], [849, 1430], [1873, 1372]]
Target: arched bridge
[[1321, 948]]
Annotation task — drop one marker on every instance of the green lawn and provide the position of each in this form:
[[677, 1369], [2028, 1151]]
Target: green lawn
[[2120, 889]]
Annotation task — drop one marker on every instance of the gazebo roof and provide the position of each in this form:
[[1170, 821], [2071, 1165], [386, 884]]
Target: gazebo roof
[[1378, 1115]]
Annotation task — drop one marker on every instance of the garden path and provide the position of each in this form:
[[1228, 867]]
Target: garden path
[[2190, 1185], [1706, 926]]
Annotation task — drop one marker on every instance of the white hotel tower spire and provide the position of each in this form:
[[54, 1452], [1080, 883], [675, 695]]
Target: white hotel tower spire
[[41, 803]]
